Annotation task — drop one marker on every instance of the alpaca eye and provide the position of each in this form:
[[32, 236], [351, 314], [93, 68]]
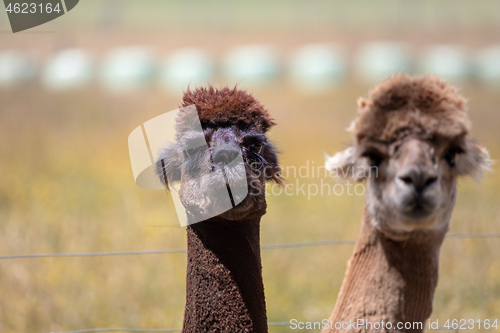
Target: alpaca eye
[[450, 157], [375, 158], [257, 147]]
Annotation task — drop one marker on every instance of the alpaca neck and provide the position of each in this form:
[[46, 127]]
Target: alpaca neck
[[224, 287], [388, 280]]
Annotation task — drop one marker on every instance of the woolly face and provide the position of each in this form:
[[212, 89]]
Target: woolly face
[[221, 158], [411, 183], [204, 171], [410, 158]]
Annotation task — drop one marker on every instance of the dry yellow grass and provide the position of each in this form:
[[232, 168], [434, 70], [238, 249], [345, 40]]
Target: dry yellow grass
[[66, 186]]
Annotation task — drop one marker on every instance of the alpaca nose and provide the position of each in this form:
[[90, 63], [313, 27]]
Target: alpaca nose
[[225, 154], [418, 179]]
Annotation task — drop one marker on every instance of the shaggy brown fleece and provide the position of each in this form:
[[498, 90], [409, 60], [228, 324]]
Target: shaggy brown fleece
[[216, 108], [404, 105], [224, 287]]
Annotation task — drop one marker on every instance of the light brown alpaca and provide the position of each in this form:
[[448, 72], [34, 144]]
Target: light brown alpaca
[[411, 144]]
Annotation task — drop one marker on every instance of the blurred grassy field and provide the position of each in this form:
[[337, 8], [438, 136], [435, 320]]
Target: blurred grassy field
[[66, 186]]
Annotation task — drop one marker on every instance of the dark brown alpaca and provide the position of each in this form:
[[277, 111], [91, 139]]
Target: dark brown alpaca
[[224, 287], [411, 144]]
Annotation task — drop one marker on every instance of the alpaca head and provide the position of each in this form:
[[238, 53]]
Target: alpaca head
[[411, 144], [230, 148]]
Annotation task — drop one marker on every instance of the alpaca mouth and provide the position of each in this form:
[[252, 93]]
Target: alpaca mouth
[[243, 190], [233, 180], [231, 183], [418, 209], [230, 174], [238, 178], [418, 213]]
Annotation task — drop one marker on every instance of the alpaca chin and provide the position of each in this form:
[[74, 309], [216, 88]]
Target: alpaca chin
[[207, 196], [400, 226], [254, 205]]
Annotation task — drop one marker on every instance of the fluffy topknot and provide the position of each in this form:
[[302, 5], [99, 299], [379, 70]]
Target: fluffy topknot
[[226, 107], [401, 105]]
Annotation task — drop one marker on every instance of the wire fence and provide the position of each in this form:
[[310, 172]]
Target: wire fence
[[264, 247]]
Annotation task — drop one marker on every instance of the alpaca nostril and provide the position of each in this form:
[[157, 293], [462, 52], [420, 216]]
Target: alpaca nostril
[[431, 180], [407, 180], [225, 156], [425, 182], [418, 180]]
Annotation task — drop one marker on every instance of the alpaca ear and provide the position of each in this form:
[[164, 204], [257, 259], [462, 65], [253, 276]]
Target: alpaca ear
[[473, 160], [346, 164], [273, 171], [168, 165]]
